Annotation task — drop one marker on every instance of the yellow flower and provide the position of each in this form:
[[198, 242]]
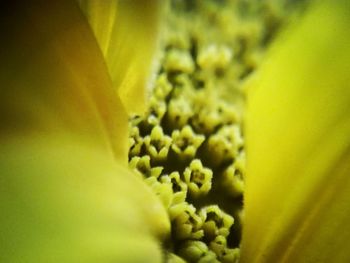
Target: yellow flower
[[72, 71]]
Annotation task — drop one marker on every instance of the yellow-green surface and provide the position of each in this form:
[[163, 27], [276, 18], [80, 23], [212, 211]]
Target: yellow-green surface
[[301, 103]]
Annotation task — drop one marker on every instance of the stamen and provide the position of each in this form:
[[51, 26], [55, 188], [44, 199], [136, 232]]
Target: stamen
[[189, 146]]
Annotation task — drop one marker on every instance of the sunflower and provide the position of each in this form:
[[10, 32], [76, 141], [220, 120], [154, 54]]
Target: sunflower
[[223, 139]]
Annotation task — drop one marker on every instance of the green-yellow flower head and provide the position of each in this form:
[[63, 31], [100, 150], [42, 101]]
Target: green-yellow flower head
[[212, 143], [189, 145]]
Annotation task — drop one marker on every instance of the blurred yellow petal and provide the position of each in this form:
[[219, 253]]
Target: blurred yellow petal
[[66, 202], [126, 32], [298, 145], [65, 192], [53, 77]]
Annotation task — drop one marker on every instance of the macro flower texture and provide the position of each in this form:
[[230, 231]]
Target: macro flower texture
[[175, 131]]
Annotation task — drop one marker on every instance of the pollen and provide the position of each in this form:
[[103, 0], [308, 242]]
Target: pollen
[[189, 147]]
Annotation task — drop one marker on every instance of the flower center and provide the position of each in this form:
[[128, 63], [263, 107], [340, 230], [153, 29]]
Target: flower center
[[190, 145]]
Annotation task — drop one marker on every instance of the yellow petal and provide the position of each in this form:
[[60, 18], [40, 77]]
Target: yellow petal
[[53, 77], [126, 32], [298, 145], [65, 194], [66, 202]]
